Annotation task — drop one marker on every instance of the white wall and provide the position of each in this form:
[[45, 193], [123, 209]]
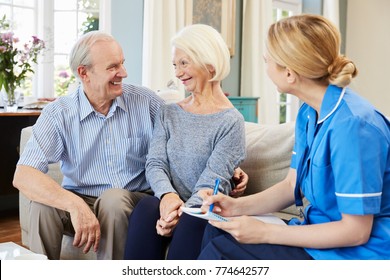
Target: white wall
[[368, 45]]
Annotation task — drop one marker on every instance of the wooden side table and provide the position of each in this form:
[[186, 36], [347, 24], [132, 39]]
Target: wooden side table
[[11, 125]]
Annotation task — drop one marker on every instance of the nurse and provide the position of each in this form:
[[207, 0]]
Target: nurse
[[340, 162]]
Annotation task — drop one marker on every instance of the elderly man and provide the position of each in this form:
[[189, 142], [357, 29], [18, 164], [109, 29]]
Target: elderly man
[[101, 135]]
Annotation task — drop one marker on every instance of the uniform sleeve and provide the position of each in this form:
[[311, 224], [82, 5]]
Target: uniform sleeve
[[358, 157]]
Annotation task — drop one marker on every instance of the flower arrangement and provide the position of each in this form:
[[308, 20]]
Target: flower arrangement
[[16, 62], [62, 82]]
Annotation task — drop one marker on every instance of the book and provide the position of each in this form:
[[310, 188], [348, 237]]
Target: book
[[197, 212]]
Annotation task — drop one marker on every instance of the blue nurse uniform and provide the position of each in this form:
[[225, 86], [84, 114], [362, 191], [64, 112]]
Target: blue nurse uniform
[[342, 160]]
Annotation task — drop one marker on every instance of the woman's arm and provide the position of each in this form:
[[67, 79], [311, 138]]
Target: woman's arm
[[39, 187], [227, 154], [275, 198], [351, 230], [157, 169]]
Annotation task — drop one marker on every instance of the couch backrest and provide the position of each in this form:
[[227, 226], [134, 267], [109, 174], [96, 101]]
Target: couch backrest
[[269, 149]]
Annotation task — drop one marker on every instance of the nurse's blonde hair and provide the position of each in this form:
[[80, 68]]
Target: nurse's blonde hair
[[310, 46]]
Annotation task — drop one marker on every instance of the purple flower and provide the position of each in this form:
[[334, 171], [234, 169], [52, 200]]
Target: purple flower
[[63, 74], [16, 63], [7, 37], [36, 40]]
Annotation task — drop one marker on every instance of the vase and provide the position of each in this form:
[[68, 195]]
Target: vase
[[10, 100]]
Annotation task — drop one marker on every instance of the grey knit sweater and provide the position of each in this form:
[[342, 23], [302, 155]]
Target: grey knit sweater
[[189, 151]]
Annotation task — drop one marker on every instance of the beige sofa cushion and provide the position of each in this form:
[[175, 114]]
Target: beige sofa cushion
[[269, 149]]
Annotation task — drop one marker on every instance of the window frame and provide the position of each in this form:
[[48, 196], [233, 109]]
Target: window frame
[[291, 103], [11, 18], [45, 69]]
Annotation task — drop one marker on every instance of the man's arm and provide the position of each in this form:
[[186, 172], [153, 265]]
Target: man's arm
[[39, 187]]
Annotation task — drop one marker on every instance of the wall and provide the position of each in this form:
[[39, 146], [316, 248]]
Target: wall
[[231, 84], [126, 26], [312, 6], [368, 45]]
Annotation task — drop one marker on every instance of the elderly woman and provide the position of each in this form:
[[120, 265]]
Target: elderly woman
[[195, 141]]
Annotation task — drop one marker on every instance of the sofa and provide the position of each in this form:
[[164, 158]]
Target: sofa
[[268, 149]]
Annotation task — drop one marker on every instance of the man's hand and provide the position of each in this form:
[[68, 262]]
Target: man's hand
[[87, 228]]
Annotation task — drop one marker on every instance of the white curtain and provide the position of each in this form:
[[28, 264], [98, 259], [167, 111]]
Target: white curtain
[[257, 17], [105, 16], [331, 11], [162, 19]]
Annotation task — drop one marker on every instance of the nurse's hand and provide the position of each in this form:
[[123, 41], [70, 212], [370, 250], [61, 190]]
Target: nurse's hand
[[245, 229]]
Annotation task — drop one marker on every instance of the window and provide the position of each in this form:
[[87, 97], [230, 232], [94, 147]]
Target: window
[[59, 23], [14, 10], [287, 103], [80, 17]]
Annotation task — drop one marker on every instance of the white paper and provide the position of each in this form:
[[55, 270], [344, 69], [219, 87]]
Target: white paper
[[270, 219], [197, 212]]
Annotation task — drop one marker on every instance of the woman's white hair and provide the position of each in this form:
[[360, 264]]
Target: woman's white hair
[[205, 46]]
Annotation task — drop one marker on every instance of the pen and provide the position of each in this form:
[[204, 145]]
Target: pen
[[214, 193]]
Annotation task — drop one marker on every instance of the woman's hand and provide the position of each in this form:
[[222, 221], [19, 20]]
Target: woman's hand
[[223, 204], [169, 214], [240, 179], [245, 229]]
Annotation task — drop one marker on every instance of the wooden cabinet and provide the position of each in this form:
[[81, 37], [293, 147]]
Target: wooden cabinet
[[247, 106], [11, 125]]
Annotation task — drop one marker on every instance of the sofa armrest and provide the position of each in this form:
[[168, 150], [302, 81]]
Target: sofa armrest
[[24, 203]]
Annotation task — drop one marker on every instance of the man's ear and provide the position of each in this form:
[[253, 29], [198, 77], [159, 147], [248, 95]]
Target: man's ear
[[82, 71], [291, 76]]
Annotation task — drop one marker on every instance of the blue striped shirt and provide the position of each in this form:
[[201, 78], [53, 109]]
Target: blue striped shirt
[[96, 152]]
